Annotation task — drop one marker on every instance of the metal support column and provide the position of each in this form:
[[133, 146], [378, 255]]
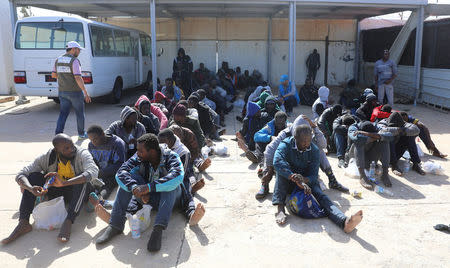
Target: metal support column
[[13, 11], [292, 39], [153, 36], [269, 50], [357, 51], [418, 52], [178, 33]]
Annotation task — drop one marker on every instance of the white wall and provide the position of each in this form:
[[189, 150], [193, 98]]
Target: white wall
[[6, 49]]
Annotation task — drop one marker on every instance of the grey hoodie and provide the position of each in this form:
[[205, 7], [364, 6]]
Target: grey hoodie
[[269, 153], [83, 164], [117, 128]]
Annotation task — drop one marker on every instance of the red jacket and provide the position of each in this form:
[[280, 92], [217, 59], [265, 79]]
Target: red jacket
[[378, 114]]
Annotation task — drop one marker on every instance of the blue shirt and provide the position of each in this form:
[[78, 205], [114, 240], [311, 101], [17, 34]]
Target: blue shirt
[[384, 70], [288, 90]]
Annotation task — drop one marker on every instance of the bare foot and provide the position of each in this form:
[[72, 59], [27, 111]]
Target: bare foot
[[197, 186], [64, 233], [205, 165], [197, 215], [354, 220], [280, 218], [22, 228], [102, 213]]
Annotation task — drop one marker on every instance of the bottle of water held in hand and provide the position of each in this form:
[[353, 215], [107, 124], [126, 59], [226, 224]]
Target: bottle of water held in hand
[[381, 190]]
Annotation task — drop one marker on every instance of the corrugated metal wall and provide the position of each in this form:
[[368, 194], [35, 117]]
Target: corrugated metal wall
[[243, 42]]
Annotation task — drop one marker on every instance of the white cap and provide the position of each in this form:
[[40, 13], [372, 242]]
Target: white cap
[[73, 44]]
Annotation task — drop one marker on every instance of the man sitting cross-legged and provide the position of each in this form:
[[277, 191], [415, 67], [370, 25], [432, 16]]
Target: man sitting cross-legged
[[71, 167], [297, 163], [153, 175]]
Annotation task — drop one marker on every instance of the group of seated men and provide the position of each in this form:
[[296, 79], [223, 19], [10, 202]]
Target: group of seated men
[[152, 154], [294, 151]]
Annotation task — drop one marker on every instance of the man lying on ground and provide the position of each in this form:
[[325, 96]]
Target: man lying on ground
[[72, 169], [297, 163]]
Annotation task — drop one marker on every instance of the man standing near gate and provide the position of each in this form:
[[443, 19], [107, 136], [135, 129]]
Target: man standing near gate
[[385, 72], [71, 89], [313, 64]]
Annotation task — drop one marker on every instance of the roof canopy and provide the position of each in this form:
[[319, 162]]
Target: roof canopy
[[327, 9]]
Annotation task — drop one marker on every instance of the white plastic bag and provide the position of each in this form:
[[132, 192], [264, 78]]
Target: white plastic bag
[[205, 151], [142, 217], [433, 168], [239, 103], [406, 155], [50, 215], [220, 149], [352, 170]]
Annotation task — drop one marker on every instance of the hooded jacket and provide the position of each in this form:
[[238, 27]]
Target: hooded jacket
[[318, 139], [265, 134], [251, 124], [83, 164], [321, 103], [118, 129], [154, 110], [266, 116], [377, 113], [257, 93], [397, 127], [285, 91], [364, 112], [186, 63], [167, 177]]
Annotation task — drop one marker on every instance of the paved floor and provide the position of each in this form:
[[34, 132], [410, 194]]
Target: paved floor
[[237, 230]]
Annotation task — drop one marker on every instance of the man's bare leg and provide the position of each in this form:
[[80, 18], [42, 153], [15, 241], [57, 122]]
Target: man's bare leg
[[197, 215], [22, 228], [353, 221], [280, 216]]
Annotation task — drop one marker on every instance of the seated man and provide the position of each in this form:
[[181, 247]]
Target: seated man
[[371, 143], [269, 132], [150, 122], [172, 90], [201, 75], [325, 124], [108, 152], [180, 118], [190, 182], [308, 93], [164, 103], [404, 139], [71, 167], [364, 112], [297, 163], [381, 112], [321, 102], [340, 131], [424, 134], [350, 96], [287, 94], [153, 175], [128, 129], [318, 139], [202, 97], [268, 108], [251, 124], [187, 137], [205, 116], [144, 106]]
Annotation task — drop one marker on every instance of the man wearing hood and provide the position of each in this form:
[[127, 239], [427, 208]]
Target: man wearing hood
[[404, 139], [381, 112], [71, 167], [318, 139], [251, 124], [128, 129], [164, 103], [325, 124], [287, 94], [296, 162], [364, 112], [182, 69], [321, 103], [371, 143], [269, 109], [144, 106]]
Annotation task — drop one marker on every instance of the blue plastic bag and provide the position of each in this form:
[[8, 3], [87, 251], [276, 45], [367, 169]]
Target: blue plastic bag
[[305, 206]]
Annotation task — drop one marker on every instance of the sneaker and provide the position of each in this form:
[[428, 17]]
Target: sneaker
[[341, 163], [83, 136], [263, 191]]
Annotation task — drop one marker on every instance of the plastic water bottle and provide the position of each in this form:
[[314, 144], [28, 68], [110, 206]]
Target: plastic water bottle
[[131, 145], [356, 194], [407, 166], [372, 170], [381, 190], [134, 225]]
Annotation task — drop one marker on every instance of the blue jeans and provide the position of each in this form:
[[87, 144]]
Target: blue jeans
[[164, 201], [283, 187], [341, 144], [69, 99]]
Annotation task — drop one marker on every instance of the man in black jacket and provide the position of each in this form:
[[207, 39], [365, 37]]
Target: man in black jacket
[[182, 69]]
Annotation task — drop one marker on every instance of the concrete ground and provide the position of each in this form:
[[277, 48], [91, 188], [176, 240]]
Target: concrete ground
[[237, 230]]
